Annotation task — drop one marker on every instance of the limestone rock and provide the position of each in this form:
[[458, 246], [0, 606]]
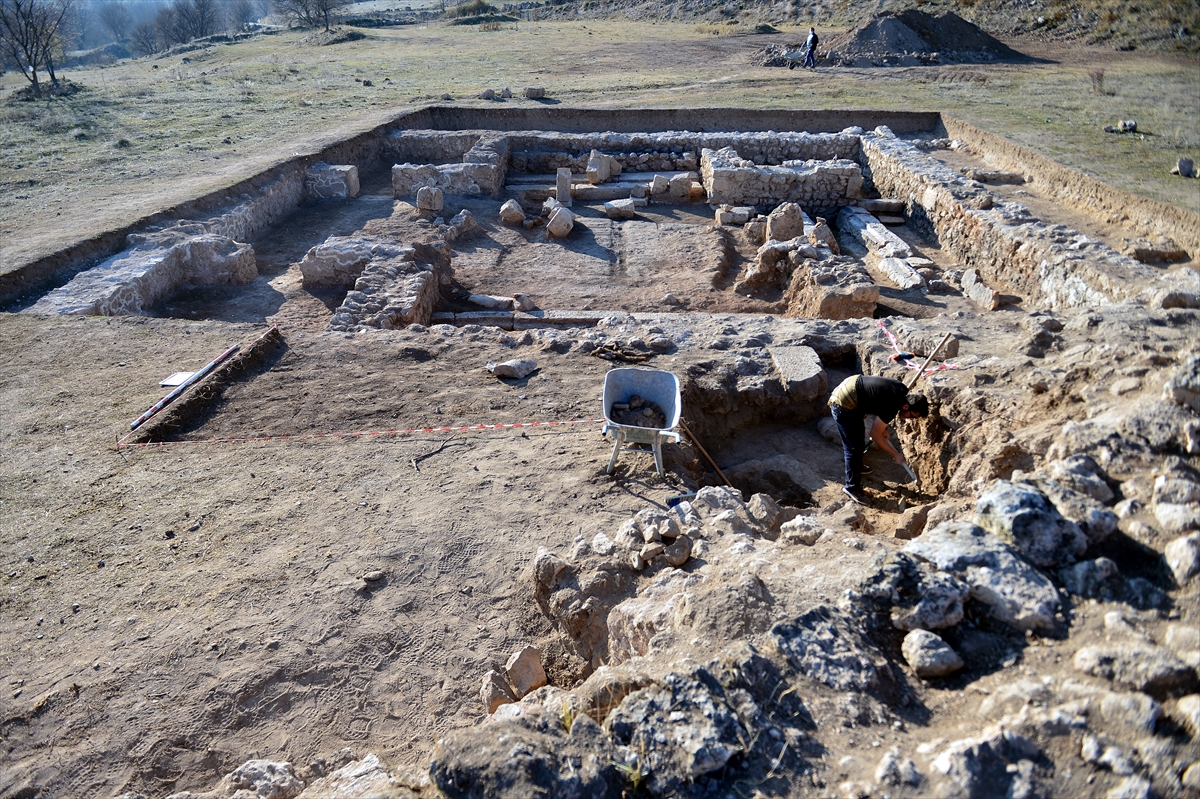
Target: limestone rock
[[1187, 708], [528, 753], [1131, 710], [524, 670], [801, 371], [1085, 579], [1138, 666], [1184, 641], [986, 298], [900, 273], [678, 552], [1014, 592], [1177, 501], [765, 511], [876, 238], [495, 691], [620, 209], [786, 222], [1081, 473], [801, 530], [324, 182], [684, 727], [430, 199], [360, 779], [560, 223], [822, 236], [511, 213], [1183, 558], [535, 92], [1020, 514], [490, 301], [895, 770], [261, 778], [602, 167], [1096, 521], [978, 766], [562, 186], [516, 368], [826, 646], [929, 655]]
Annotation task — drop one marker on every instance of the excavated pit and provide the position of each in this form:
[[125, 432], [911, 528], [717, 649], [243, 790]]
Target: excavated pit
[[394, 278]]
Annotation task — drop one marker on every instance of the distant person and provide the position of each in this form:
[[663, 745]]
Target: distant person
[[851, 402], [810, 48]]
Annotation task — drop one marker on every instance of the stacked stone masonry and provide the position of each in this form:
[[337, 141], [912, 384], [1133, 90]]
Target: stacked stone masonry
[[325, 182], [1008, 247], [154, 267]]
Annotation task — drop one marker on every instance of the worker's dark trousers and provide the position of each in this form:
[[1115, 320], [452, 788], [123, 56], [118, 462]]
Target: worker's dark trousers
[[808, 58], [850, 429]]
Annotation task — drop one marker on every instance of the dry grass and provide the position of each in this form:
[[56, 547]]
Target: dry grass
[[150, 133]]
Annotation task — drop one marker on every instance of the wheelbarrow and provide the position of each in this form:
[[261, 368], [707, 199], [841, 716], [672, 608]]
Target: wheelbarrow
[[652, 385]]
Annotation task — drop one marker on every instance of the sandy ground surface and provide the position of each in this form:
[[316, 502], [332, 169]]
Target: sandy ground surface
[[170, 612]]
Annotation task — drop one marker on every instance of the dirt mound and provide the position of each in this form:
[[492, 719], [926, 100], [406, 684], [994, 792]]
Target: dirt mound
[[912, 37]]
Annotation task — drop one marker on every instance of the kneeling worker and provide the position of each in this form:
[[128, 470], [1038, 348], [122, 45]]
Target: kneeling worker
[[856, 398]]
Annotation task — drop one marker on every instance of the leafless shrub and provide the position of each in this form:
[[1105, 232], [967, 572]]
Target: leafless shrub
[[1097, 76]]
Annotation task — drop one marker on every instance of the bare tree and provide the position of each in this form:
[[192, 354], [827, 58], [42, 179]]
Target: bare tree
[[240, 12], [29, 34], [144, 38], [198, 18], [309, 13], [117, 20]]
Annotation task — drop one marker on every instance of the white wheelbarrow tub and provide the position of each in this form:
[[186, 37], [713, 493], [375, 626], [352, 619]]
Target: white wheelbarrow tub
[[652, 385]]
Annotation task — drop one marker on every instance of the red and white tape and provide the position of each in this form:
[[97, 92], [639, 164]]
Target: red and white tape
[[908, 364], [356, 434]]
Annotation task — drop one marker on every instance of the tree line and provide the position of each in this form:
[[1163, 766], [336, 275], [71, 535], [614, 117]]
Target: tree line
[[37, 35]]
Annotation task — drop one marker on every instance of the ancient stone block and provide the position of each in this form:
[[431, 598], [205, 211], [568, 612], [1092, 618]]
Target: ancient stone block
[[872, 234], [324, 182], [151, 270], [900, 273], [800, 371], [984, 297], [562, 186], [620, 209], [560, 223], [429, 199], [511, 213], [786, 222]]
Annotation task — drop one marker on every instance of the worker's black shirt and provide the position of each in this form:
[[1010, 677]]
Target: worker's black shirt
[[881, 396]]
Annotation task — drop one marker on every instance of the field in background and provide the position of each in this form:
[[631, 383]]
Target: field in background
[[148, 134]]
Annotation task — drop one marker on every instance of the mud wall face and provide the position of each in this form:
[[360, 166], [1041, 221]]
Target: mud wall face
[[1009, 248], [1149, 217], [428, 146], [700, 120]]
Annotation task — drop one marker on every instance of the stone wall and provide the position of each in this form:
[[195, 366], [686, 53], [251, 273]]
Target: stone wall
[[820, 187], [674, 151], [1148, 217], [1013, 251], [482, 169], [153, 268], [323, 181], [395, 288]]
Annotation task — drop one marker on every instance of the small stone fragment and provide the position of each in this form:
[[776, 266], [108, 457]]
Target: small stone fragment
[[679, 551], [511, 213], [516, 368], [929, 655], [373, 576], [524, 670], [495, 691]]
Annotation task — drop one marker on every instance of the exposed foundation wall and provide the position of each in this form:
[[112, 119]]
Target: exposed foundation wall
[[1011, 250], [543, 153], [819, 186], [1148, 217], [267, 196]]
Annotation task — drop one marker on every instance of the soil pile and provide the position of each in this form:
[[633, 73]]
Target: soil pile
[[912, 37], [907, 38]]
